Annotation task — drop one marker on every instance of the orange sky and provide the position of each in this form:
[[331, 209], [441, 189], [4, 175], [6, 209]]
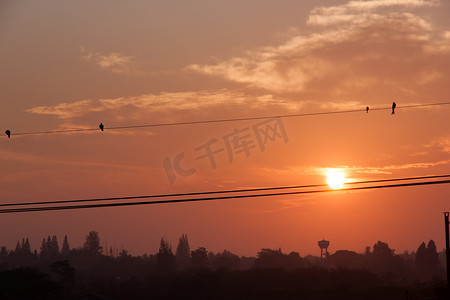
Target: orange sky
[[74, 65]]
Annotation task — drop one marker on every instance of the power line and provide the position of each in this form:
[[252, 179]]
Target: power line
[[222, 120], [217, 192], [102, 205]]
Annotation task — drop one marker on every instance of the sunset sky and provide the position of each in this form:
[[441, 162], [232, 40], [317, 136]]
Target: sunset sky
[[74, 64]]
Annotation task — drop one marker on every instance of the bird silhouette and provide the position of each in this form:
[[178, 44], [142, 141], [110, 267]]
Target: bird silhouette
[[367, 109], [393, 108], [101, 126], [8, 133]]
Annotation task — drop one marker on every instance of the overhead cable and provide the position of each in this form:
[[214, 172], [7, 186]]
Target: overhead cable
[[105, 128], [218, 192], [173, 201]]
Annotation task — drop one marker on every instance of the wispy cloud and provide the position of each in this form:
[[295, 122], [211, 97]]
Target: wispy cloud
[[164, 102], [389, 169], [65, 110], [350, 47], [358, 12], [113, 62], [442, 143]]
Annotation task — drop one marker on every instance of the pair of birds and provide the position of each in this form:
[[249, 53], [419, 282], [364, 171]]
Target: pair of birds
[[8, 132], [393, 108]]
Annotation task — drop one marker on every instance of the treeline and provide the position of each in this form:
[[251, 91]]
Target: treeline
[[73, 272], [424, 264]]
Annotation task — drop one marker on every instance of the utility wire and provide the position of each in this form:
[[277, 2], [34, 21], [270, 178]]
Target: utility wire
[[217, 192], [102, 205], [222, 120]]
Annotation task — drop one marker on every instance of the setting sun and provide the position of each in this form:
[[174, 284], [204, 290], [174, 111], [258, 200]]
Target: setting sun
[[335, 178]]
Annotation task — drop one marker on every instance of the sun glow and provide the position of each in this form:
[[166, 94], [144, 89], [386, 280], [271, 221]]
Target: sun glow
[[335, 178]]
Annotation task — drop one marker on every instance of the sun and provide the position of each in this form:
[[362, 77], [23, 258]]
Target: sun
[[335, 178]]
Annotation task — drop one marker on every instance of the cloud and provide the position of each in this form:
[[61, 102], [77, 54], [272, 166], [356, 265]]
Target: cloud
[[142, 105], [114, 62], [389, 169], [65, 110], [351, 48], [443, 144], [358, 12], [272, 68]]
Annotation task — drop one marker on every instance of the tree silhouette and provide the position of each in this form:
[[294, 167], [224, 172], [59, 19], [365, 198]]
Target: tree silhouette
[[294, 260], [26, 248], [421, 258], [346, 259], [4, 257], [381, 249], [383, 261], [270, 259], [3, 251], [43, 249], [65, 249], [18, 250], [183, 253], [433, 257], [92, 244], [55, 246], [124, 254], [199, 258], [165, 259], [49, 248], [427, 261], [225, 261]]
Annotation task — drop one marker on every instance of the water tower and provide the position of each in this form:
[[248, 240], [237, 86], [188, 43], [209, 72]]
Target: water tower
[[323, 248]]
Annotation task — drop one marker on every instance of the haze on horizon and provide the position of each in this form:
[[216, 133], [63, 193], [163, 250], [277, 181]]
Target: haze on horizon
[[76, 64]]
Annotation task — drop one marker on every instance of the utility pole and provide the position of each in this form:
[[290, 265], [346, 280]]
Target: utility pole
[[447, 249]]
